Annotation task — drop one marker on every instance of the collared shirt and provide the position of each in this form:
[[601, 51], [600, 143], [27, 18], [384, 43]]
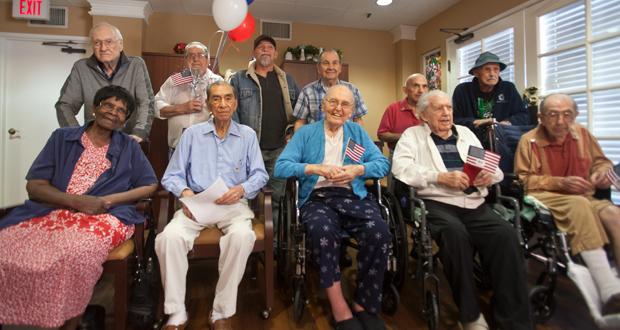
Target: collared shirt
[[397, 118], [309, 105], [201, 157], [55, 163], [169, 94]]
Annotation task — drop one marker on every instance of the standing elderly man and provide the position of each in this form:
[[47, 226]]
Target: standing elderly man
[[266, 98], [236, 159], [333, 201], [561, 163], [401, 115], [181, 99], [487, 97], [430, 157], [107, 66], [308, 108]]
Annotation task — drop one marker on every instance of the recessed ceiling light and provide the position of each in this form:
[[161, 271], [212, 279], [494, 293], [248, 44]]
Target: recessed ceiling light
[[384, 2]]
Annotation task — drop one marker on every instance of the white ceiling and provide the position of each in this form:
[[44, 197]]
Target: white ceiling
[[347, 13]]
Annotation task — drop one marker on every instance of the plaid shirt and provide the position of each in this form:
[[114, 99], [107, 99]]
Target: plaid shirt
[[309, 106]]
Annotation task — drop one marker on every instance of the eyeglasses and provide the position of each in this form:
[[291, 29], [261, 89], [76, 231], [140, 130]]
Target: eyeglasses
[[107, 106], [108, 43], [333, 103], [569, 115], [199, 56]]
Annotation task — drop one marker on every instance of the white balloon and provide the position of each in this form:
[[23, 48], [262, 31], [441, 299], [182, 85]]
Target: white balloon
[[228, 14]]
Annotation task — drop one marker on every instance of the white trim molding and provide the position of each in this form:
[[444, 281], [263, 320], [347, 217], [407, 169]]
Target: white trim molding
[[403, 32], [121, 8]]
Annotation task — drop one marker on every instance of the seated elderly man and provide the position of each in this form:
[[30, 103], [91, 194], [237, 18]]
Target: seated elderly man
[[561, 163], [332, 158], [218, 148], [430, 157]]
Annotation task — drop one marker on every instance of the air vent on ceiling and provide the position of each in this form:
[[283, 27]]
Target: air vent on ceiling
[[277, 29], [59, 17]]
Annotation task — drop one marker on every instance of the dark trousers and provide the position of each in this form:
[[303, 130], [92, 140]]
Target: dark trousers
[[328, 214], [460, 232], [278, 185]]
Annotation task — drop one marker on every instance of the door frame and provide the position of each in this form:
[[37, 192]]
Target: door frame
[[9, 36]]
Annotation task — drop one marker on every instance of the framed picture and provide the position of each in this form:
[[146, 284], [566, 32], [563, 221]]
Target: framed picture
[[432, 69]]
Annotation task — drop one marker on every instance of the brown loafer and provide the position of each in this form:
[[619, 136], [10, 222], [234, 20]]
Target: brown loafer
[[612, 306], [175, 327]]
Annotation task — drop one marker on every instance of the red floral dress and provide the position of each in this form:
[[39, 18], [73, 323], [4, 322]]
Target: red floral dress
[[53, 262]]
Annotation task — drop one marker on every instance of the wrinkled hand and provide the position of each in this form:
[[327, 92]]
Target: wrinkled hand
[[483, 179], [194, 105], [90, 204], [232, 196], [483, 122], [347, 174], [326, 171], [455, 179], [600, 180], [575, 185], [186, 193]]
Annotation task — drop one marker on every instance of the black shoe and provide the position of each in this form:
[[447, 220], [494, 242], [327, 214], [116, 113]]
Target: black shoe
[[370, 321], [93, 318], [612, 306], [349, 324]]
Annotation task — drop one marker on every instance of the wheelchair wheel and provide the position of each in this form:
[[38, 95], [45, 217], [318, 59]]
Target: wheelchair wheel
[[398, 228], [432, 310], [282, 247], [390, 300], [299, 301], [543, 303]]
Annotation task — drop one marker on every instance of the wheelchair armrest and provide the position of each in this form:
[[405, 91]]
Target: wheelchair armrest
[[514, 204], [265, 211]]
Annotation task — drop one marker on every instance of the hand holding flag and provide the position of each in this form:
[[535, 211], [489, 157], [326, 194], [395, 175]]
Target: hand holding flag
[[478, 160]]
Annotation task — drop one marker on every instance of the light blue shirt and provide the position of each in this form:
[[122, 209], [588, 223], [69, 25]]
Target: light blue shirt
[[201, 157]]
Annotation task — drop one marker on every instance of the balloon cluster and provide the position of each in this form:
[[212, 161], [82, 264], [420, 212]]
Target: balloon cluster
[[232, 16]]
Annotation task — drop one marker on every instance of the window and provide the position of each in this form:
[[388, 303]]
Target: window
[[501, 44], [577, 54]]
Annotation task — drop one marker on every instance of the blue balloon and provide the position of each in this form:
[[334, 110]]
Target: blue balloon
[[249, 2]]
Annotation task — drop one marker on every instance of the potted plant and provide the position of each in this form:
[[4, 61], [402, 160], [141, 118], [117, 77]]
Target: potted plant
[[311, 52], [295, 51]]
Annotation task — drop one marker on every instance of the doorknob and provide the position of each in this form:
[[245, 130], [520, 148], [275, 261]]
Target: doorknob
[[13, 134]]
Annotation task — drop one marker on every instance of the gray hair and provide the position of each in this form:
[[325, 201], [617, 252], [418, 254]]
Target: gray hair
[[220, 83], [330, 50], [412, 77], [543, 104], [115, 31], [196, 44], [425, 100]]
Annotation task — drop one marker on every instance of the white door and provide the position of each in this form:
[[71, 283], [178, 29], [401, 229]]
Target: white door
[[31, 76]]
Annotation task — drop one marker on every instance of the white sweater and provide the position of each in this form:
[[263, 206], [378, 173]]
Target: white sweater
[[417, 162]]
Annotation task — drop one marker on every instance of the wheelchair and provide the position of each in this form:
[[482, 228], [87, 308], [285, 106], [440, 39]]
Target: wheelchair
[[422, 250], [292, 252]]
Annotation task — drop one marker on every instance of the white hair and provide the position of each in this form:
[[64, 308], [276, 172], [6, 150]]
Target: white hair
[[115, 31], [196, 44], [425, 100]]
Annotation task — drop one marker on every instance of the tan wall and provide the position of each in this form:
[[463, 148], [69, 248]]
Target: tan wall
[[405, 54], [80, 22], [370, 54], [466, 13]]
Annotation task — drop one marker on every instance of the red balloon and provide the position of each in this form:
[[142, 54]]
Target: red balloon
[[244, 31]]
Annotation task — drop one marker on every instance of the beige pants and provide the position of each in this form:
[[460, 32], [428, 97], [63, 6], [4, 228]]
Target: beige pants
[[578, 216], [177, 239]]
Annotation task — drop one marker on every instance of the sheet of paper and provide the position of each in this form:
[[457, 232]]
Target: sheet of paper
[[203, 205]]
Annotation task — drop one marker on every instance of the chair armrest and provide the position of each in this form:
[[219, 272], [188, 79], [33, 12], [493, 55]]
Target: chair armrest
[[265, 208]]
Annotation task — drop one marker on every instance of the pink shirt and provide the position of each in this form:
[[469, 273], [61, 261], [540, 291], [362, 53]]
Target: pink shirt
[[397, 118]]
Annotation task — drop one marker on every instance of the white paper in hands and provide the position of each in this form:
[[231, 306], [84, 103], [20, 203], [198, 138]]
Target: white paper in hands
[[203, 205]]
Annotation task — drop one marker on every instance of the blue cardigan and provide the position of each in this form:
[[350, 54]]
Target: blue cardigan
[[308, 147], [130, 169]]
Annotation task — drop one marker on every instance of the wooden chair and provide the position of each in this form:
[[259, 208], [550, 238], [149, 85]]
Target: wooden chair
[[207, 245], [119, 264]]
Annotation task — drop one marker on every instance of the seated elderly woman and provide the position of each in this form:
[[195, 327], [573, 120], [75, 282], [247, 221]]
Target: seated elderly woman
[[430, 157], [332, 158], [82, 188]]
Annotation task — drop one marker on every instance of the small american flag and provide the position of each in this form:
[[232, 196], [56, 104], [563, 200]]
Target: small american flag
[[354, 151], [483, 159], [182, 77], [613, 177]]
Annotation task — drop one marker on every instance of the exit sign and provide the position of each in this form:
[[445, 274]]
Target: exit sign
[[31, 9]]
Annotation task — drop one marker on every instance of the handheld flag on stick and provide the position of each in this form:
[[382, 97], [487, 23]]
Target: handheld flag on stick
[[354, 151], [613, 177], [182, 77], [478, 160]]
